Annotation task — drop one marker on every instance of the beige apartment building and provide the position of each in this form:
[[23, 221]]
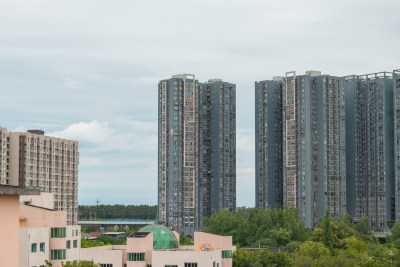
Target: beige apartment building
[[35, 161]]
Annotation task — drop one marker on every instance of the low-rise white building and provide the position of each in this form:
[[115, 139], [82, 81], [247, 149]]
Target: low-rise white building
[[44, 235]]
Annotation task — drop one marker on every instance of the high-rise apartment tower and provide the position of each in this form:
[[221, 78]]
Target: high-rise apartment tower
[[196, 151], [35, 161], [306, 147], [269, 165], [396, 107], [370, 143]]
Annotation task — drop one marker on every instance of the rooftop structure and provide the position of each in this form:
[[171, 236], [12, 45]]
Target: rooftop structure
[[163, 238], [156, 245]]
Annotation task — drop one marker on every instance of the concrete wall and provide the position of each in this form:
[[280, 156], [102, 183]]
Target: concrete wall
[[37, 217], [179, 258], [9, 230], [105, 255], [73, 233], [44, 200], [140, 245], [14, 160], [217, 241], [29, 236]]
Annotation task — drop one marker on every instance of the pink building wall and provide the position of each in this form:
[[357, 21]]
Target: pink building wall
[[140, 245], [9, 230], [217, 242], [39, 217]]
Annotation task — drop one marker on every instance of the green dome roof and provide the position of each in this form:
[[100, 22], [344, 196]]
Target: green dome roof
[[163, 238]]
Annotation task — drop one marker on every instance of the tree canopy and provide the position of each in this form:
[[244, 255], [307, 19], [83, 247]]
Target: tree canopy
[[144, 212]]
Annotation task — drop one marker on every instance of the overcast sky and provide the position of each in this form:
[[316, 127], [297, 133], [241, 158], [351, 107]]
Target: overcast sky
[[88, 70]]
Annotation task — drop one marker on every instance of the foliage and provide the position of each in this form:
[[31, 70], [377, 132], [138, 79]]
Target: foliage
[[81, 264], [86, 243], [185, 240], [253, 227], [327, 234], [246, 258], [313, 250], [338, 232], [364, 230], [101, 212], [292, 246], [394, 238], [88, 229], [335, 242]]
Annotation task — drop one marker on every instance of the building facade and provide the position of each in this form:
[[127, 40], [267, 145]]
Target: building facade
[[35, 161], [312, 144], [157, 246], [217, 147], [44, 235], [196, 151], [370, 133], [396, 116], [268, 130]]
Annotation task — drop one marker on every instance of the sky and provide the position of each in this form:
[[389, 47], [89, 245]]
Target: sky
[[89, 71]]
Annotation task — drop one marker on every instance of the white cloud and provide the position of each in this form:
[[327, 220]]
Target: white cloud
[[90, 132], [133, 135], [72, 84]]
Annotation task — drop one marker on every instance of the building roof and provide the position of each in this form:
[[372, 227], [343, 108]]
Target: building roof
[[163, 238], [14, 190]]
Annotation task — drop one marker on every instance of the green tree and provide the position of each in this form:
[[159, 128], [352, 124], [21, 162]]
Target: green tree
[[394, 238], [81, 264], [243, 258], [86, 243], [253, 227], [330, 261], [314, 250], [364, 230], [327, 234]]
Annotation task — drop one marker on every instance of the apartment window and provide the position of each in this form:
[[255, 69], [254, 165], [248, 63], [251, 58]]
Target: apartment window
[[148, 265], [171, 265], [42, 246], [57, 254], [190, 264], [106, 265], [69, 244], [226, 254], [75, 243], [58, 232], [136, 257], [33, 247]]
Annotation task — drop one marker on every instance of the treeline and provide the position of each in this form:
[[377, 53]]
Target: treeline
[[253, 227], [335, 242], [144, 212]]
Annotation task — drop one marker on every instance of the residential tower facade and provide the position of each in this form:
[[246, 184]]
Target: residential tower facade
[[36, 161], [196, 151], [312, 143], [370, 134]]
